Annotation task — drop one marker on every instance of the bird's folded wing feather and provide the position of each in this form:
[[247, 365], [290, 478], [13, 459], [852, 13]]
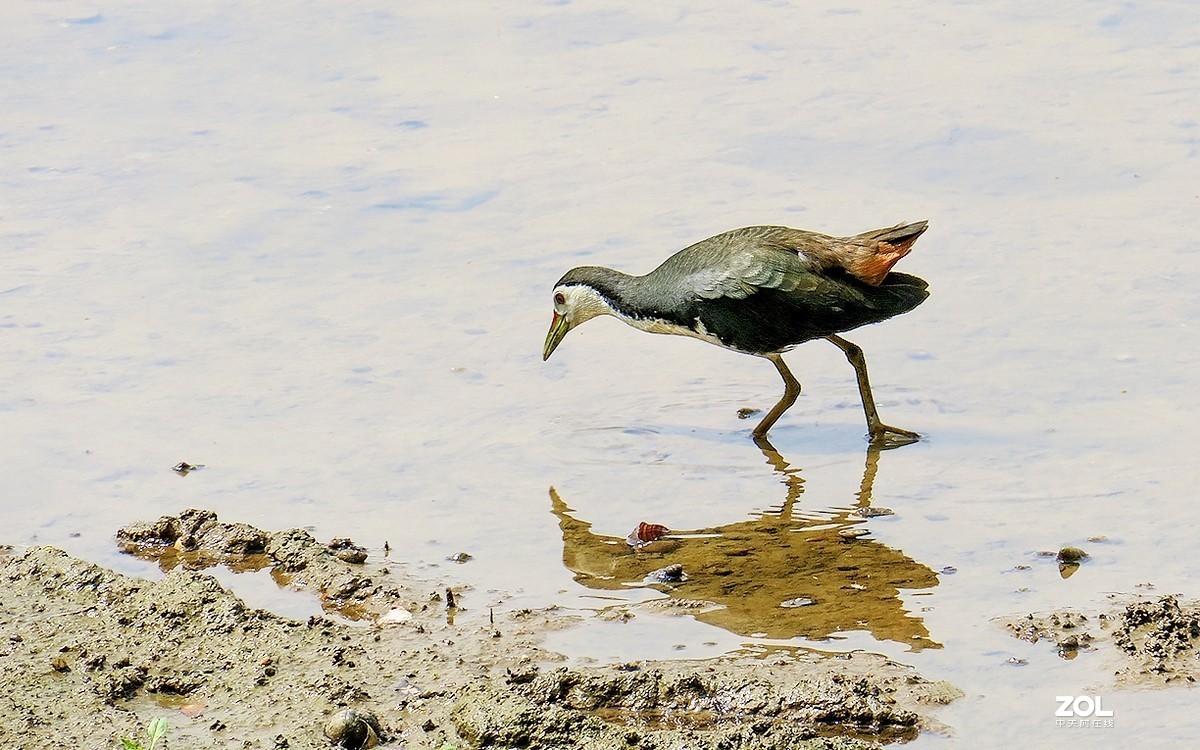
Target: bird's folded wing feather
[[762, 267]]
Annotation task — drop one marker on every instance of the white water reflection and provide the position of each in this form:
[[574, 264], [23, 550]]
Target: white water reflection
[[311, 248]]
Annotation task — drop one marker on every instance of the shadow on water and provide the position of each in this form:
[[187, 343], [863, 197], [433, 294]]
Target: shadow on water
[[784, 574]]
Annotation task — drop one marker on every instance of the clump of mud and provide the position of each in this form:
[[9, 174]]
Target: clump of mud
[[91, 656], [1151, 641], [196, 539], [782, 702]]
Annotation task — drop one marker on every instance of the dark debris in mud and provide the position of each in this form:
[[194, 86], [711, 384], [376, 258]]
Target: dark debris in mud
[[1157, 640], [1161, 637]]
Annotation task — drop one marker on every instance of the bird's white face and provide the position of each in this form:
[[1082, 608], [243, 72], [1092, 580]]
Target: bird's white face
[[579, 303], [573, 304]]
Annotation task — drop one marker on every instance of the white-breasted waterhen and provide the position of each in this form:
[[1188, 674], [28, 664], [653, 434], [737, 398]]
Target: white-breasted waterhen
[[761, 291]]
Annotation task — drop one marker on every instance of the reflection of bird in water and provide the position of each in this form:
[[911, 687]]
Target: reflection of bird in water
[[752, 570], [760, 291]]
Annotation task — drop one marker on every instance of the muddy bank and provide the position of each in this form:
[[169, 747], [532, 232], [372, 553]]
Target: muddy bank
[[1148, 641], [91, 656], [787, 701]]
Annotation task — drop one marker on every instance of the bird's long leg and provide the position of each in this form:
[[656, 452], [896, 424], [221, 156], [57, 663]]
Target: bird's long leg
[[877, 428], [791, 390]]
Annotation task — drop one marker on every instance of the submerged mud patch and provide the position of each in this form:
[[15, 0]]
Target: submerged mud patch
[[92, 655], [1152, 641]]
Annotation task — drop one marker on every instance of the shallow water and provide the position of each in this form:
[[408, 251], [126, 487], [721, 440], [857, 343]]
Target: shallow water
[[311, 248]]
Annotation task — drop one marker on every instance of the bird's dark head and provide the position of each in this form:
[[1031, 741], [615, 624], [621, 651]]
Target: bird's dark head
[[576, 300]]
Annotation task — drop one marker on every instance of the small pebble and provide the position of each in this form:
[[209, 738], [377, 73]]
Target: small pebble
[[853, 533], [354, 730], [395, 616], [1071, 555], [873, 512], [1014, 661], [746, 412], [460, 557], [669, 574]]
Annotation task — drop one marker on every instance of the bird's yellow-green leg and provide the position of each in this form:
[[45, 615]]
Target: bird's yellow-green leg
[[878, 429], [791, 391]]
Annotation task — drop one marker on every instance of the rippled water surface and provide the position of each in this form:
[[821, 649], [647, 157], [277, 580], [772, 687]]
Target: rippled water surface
[[311, 247]]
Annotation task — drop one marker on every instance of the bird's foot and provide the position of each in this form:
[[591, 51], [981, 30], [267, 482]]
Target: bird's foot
[[885, 436]]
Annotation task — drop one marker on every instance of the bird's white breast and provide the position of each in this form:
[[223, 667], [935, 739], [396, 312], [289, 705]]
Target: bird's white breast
[[651, 325]]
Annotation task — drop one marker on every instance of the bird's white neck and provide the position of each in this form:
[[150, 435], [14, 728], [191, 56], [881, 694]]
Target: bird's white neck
[[584, 303]]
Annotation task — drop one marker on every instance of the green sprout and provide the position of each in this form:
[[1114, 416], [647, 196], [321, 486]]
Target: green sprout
[[154, 732]]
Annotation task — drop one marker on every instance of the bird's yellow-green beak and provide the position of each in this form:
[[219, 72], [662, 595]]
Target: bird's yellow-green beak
[[558, 328]]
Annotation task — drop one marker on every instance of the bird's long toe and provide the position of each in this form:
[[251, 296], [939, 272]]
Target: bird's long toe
[[892, 437]]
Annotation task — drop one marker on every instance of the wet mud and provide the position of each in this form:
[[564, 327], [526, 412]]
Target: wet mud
[[1149, 641], [92, 655]]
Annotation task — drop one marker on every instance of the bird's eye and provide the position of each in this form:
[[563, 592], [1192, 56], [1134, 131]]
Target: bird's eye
[[559, 299]]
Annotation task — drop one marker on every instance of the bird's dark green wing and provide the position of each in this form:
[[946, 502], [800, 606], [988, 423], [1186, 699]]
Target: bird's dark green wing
[[736, 264]]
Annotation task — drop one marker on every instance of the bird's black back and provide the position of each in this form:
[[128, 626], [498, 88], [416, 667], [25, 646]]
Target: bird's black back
[[771, 320]]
